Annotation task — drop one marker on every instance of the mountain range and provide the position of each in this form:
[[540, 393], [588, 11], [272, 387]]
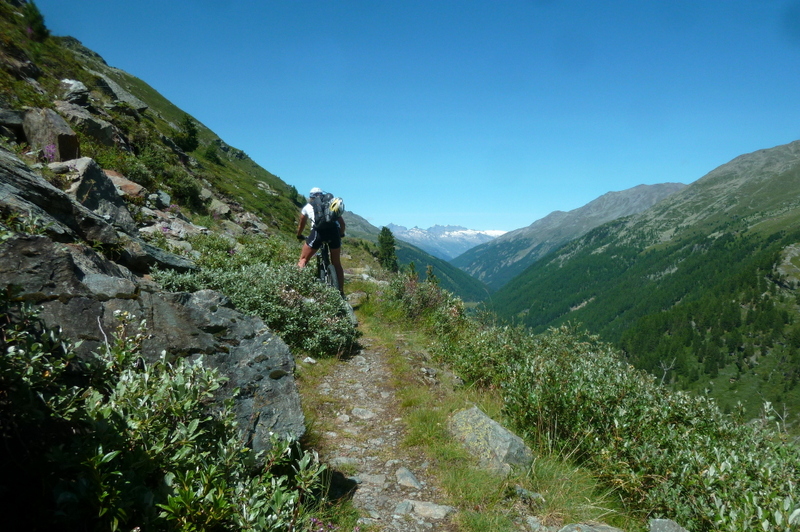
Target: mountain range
[[498, 261], [444, 241], [700, 289], [450, 278]]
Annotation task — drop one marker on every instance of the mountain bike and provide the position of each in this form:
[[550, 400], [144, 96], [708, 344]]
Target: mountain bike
[[326, 272]]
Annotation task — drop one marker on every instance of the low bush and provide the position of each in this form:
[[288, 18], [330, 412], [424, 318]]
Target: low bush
[[115, 443], [666, 454], [254, 273]]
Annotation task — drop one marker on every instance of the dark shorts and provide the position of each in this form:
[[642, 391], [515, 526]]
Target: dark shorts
[[330, 235]]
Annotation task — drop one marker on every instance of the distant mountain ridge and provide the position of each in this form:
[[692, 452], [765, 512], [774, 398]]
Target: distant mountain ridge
[[702, 289], [450, 278], [500, 260], [444, 241]]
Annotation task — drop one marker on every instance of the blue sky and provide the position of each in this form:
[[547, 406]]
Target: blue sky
[[487, 114]]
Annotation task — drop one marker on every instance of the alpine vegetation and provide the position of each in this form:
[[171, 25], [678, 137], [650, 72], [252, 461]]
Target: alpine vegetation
[[666, 454]]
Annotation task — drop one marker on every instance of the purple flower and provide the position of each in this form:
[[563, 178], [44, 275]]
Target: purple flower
[[50, 152]]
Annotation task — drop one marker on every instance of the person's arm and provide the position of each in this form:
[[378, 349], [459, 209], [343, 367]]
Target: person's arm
[[341, 226], [301, 225]]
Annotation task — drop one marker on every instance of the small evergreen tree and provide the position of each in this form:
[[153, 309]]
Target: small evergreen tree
[[386, 253], [430, 276], [187, 138]]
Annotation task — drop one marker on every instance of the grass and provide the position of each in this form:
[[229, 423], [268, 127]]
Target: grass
[[485, 501]]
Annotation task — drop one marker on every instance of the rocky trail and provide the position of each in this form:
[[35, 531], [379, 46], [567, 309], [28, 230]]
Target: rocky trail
[[361, 435]]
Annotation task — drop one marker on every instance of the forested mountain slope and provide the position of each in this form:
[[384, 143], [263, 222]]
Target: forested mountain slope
[[500, 260], [701, 289]]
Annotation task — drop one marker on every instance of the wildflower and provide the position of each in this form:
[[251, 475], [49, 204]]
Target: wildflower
[[50, 152]]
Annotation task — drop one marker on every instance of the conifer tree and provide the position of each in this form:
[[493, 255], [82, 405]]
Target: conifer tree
[[187, 138], [386, 253]]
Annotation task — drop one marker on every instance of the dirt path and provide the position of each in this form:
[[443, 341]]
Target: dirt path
[[361, 437]]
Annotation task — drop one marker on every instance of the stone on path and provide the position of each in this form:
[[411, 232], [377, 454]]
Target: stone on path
[[497, 448], [406, 478]]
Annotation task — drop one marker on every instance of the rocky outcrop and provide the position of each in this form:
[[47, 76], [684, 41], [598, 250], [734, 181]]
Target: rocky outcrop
[[79, 293], [96, 128], [25, 194], [94, 189]]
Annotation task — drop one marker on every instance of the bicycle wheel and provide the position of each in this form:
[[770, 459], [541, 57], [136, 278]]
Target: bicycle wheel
[[331, 278]]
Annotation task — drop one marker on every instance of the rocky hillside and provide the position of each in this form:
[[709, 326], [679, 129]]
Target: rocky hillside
[[497, 262], [60, 101], [444, 242]]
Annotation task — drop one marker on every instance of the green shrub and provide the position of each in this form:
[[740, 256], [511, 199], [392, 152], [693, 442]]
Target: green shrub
[[666, 454], [122, 444], [256, 276], [671, 454]]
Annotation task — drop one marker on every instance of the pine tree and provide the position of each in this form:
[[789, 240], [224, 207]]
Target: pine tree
[[187, 138], [386, 253]]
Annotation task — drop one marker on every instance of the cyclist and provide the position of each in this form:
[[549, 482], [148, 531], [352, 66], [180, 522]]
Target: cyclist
[[333, 236]]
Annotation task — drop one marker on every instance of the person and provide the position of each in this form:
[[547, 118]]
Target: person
[[333, 236]]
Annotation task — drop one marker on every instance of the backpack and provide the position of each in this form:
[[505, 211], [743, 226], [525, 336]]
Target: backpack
[[324, 218]]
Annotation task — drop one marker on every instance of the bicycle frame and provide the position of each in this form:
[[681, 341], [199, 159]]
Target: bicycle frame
[[326, 272]]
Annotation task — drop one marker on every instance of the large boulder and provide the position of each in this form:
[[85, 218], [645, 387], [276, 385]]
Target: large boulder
[[102, 131], [46, 130], [26, 194], [496, 448], [92, 188], [79, 291], [75, 92]]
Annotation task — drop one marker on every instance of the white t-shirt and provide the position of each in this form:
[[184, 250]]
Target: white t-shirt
[[308, 210]]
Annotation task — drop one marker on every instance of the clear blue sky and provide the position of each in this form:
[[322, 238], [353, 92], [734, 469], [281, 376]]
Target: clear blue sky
[[487, 114]]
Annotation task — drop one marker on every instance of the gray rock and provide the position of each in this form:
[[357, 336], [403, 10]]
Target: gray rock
[[403, 507], [363, 413], [45, 128], [92, 188], [79, 117], [141, 257], [406, 478], [113, 89], [160, 199], [24, 192], [75, 92], [430, 510], [79, 291], [534, 523], [219, 208], [665, 525], [495, 447]]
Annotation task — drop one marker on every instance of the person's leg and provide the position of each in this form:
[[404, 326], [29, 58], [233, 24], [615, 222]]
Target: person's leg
[[306, 255], [337, 264]]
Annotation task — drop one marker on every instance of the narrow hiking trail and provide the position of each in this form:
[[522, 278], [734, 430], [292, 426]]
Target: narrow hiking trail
[[360, 434]]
